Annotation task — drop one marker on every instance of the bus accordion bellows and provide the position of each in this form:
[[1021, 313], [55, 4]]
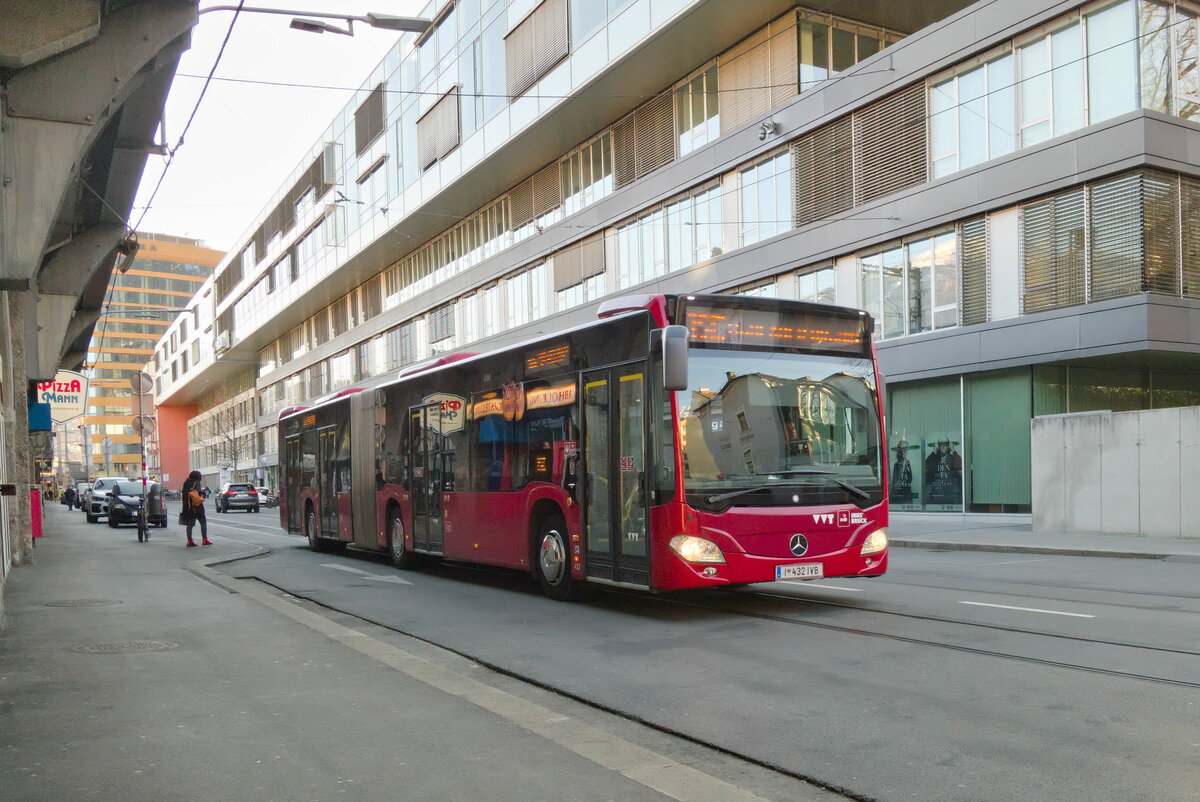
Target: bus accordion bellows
[[676, 442]]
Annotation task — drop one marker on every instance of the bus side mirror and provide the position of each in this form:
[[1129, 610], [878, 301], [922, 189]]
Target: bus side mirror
[[675, 357]]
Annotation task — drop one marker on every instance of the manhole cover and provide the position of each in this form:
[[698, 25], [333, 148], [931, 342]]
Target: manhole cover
[[127, 646], [82, 603]]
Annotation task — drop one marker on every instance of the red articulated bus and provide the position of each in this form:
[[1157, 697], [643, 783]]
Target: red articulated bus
[[676, 442]]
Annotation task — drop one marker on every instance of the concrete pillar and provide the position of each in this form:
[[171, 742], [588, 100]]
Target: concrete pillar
[[17, 446]]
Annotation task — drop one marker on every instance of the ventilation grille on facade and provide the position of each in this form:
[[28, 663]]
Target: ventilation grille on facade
[[889, 140], [823, 167], [973, 241], [579, 262], [438, 130], [535, 45], [1052, 241]]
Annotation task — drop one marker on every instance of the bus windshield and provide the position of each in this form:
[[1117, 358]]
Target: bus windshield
[[770, 428]]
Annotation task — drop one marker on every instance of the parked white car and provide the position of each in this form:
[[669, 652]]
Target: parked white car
[[95, 498]]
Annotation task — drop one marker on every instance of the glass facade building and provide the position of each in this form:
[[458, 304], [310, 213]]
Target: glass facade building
[[1009, 196], [141, 304]]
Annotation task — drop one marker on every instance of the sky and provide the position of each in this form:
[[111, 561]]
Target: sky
[[246, 137]]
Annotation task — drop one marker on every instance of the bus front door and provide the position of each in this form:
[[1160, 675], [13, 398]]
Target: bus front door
[[614, 469], [426, 480]]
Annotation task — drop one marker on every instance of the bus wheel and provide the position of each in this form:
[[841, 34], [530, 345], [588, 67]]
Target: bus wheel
[[552, 561], [401, 557], [310, 530]]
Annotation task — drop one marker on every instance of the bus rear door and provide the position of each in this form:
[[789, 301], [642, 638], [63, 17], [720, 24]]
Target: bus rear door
[[614, 468], [327, 491], [427, 461]]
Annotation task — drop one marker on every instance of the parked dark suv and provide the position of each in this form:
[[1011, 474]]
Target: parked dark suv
[[237, 496], [126, 498]]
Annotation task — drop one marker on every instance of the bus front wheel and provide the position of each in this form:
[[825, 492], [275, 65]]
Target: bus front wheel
[[552, 561], [401, 557]]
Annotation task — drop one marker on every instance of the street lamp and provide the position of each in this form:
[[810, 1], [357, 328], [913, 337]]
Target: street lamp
[[311, 21]]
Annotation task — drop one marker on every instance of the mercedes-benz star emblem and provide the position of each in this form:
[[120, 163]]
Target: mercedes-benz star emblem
[[798, 545]]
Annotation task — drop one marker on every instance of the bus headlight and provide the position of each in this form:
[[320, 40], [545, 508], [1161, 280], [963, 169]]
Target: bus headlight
[[876, 542], [696, 549]]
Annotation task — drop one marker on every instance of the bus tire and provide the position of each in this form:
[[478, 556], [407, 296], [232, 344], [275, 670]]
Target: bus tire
[[552, 560], [401, 557], [311, 531]]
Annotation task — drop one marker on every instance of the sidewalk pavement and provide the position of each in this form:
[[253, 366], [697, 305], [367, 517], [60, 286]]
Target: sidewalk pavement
[[133, 671], [956, 532]]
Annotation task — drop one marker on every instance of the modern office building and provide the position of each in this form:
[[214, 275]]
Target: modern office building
[[1010, 187], [143, 300]]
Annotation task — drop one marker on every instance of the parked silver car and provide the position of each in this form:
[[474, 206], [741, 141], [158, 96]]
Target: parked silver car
[[95, 498], [238, 496]]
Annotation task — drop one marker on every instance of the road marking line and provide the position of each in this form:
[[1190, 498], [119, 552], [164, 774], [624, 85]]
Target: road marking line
[[1028, 609], [377, 577], [826, 587], [645, 766], [347, 568]]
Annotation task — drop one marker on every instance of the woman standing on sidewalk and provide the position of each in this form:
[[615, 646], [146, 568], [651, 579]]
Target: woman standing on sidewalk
[[194, 508]]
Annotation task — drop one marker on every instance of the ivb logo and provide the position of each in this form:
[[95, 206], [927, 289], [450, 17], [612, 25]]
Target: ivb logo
[[823, 518], [843, 518]]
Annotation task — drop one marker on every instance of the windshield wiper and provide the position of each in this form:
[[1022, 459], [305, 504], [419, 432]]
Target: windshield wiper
[[744, 491], [849, 488]]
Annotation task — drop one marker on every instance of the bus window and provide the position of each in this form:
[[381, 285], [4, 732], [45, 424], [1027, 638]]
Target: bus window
[[514, 444]]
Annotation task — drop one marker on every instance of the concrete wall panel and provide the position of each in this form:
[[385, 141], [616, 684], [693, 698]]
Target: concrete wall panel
[[1189, 471], [1160, 479], [1083, 500], [1046, 472], [1119, 473]]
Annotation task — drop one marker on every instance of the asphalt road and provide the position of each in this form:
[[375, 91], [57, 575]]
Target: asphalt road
[[959, 676]]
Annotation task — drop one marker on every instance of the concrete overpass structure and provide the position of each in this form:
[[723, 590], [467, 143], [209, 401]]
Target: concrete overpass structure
[[82, 84]]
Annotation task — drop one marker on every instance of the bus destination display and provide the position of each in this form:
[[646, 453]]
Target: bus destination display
[[547, 359], [794, 329]]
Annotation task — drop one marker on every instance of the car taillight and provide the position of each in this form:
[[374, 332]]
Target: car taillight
[[229, 492], [254, 492]]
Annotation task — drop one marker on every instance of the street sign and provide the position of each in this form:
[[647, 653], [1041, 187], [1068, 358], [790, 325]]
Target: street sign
[[66, 395]]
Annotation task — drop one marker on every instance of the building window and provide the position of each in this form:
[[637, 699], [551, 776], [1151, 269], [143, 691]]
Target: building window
[[972, 116], [912, 287], [817, 286], [587, 174], [535, 45], [368, 120], [765, 192], [697, 119], [439, 130]]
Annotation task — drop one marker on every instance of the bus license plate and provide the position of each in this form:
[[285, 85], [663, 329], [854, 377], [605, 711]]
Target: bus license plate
[[805, 571]]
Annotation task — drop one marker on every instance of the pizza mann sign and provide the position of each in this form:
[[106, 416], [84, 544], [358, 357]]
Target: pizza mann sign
[[66, 395]]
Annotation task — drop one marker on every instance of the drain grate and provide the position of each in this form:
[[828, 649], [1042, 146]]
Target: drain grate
[[83, 603], [126, 647]]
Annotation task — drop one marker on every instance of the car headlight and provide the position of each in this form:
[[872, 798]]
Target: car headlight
[[116, 505], [696, 549], [876, 542]]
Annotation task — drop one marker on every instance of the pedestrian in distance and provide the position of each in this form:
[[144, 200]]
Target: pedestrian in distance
[[193, 509]]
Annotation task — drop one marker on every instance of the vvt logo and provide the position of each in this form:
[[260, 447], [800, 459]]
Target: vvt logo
[[825, 518]]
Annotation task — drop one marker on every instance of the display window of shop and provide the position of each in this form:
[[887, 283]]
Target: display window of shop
[[925, 443]]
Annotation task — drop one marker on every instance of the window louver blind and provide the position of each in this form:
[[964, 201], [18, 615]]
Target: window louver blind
[[823, 170], [441, 323], [438, 130], [1115, 245], [889, 143], [1190, 204], [368, 120], [520, 202], [547, 190], [538, 43], [759, 73], [624, 170], [654, 134], [1052, 247], [578, 262], [1160, 232], [974, 305], [785, 59]]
